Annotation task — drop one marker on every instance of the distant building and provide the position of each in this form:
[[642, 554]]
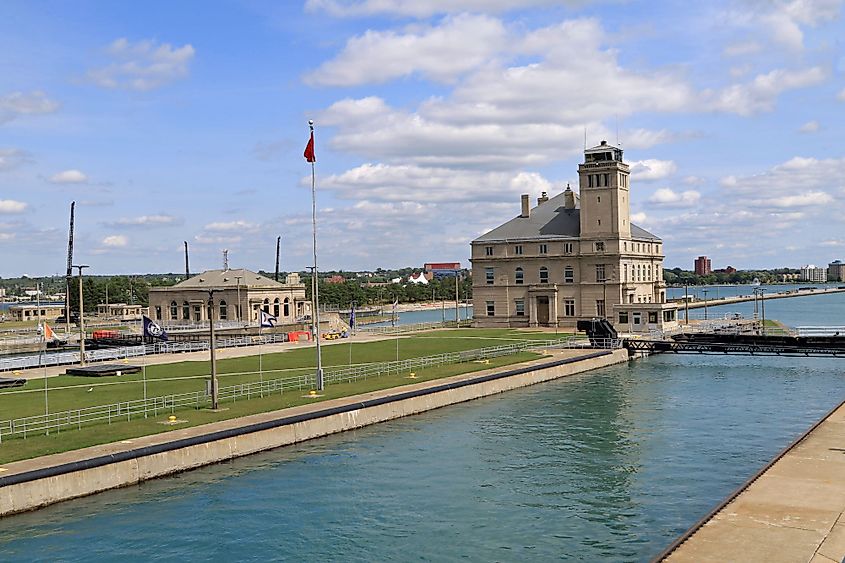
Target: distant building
[[836, 271], [702, 266], [418, 279], [33, 312], [121, 311], [730, 270], [239, 295], [442, 269], [790, 277], [335, 279], [2, 292], [812, 274], [568, 259]]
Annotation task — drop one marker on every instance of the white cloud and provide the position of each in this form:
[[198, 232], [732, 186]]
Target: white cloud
[[8, 206], [17, 104], [144, 65], [420, 9], [833, 242], [403, 183], [760, 94], [12, 158], [115, 241], [809, 127], [786, 18], [640, 217], [651, 169], [441, 53], [228, 226], [799, 200], [670, 198], [145, 221], [69, 177]]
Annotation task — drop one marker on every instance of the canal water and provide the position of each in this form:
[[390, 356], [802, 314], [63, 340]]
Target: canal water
[[610, 465]]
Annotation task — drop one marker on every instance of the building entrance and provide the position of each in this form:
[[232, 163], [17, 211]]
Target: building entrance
[[543, 310]]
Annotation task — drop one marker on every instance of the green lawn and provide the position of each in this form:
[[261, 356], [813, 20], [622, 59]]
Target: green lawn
[[70, 392]]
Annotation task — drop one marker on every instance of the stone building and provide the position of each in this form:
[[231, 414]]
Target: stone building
[[35, 312], [239, 295], [572, 258]]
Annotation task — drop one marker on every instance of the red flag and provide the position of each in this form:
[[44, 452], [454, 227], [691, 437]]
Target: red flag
[[309, 150]]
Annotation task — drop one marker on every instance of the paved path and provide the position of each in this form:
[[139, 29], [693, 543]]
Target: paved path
[[795, 511]]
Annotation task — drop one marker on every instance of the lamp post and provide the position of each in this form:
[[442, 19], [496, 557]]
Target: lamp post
[[238, 280], [457, 313], [81, 317], [763, 308], [686, 303], [704, 291], [212, 350]]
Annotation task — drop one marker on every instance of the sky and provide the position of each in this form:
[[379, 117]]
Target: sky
[[186, 121]]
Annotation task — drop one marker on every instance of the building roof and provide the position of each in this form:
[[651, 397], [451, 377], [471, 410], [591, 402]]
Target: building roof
[[228, 278], [550, 219]]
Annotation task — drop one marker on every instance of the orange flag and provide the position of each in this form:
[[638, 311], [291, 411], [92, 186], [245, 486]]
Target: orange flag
[[48, 332]]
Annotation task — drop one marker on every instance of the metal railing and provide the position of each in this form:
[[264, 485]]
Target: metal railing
[[124, 352], [153, 406], [411, 327]]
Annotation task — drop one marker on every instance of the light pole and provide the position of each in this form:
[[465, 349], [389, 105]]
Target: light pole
[[238, 280], [457, 313], [81, 318], [704, 291], [212, 350], [763, 308], [686, 303]]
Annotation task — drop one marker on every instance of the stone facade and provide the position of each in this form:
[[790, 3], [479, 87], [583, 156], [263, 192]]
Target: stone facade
[[239, 295], [572, 258]]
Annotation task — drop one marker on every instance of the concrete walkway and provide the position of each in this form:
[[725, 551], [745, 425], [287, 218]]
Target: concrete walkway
[[795, 511]]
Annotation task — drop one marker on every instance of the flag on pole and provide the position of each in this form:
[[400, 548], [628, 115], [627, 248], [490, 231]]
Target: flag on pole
[[267, 320], [352, 317], [153, 329], [309, 149], [395, 303], [48, 332]]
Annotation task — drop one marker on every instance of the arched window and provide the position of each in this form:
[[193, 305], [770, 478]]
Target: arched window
[[276, 307], [544, 274], [186, 311], [174, 311], [287, 307], [267, 306], [520, 276], [224, 312]]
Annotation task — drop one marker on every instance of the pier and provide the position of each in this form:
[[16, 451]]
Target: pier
[[746, 298], [792, 510]]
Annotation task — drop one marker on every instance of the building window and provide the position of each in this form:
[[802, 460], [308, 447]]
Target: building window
[[544, 249], [607, 180], [544, 274], [488, 251], [186, 311], [668, 316], [599, 307], [517, 249], [600, 277], [224, 310], [567, 248], [590, 181], [625, 246], [652, 317], [623, 317], [598, 221], [158, 313], [569, 308], [488, 275], [491, 308], [286, 307], [625, 272], [197, 313], [598, 199], [276, 307], [600, 246], [174, 311], [520, 307], [267, 306], [568, 275], [520, 278]]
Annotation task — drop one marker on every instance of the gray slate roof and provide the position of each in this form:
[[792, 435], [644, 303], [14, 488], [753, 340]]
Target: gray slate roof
[[227, 278], [549, 220]]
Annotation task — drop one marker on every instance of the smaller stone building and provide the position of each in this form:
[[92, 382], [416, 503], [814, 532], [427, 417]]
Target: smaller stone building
[[121, 311], [239, 295], [33, 312]]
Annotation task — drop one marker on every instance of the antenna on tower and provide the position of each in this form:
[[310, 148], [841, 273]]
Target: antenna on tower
[[187, 269], [225, 260], [278, 243], [585, 137]]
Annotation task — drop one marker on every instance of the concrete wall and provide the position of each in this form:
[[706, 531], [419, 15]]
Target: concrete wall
[[85, 477]]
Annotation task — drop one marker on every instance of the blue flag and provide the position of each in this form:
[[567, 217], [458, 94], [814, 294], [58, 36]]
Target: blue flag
[[153, 329], [267, 320]]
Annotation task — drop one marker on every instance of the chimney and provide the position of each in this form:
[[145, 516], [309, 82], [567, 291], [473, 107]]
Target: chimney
[[526, 206], [543, 198], [568, 198]]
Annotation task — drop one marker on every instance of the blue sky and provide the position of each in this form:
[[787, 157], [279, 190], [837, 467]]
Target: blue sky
[[186, 121]]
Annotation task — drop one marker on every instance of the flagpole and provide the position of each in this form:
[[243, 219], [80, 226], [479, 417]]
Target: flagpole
[[260, 366], [316, 280]]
